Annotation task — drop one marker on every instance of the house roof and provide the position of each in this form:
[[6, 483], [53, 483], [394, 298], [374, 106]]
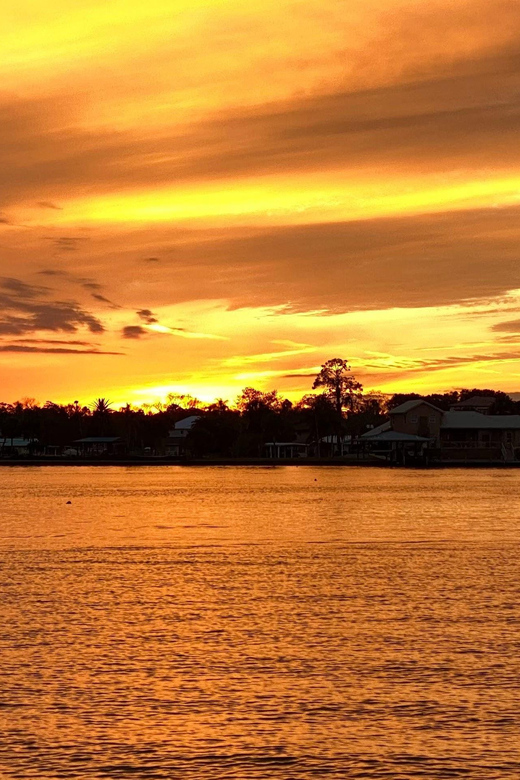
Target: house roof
[[484, 401], [477, 421], [187, 423], [379, 429], [97, 440], [390, 436], [409, 405], [285, 444], [16, 442]]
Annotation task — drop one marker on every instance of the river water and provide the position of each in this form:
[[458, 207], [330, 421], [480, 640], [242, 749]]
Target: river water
[[241, 622]]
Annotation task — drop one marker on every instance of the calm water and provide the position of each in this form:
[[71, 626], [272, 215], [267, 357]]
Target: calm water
[[259, 623]]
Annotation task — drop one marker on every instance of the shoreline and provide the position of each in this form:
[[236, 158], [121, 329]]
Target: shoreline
[[264, 462]]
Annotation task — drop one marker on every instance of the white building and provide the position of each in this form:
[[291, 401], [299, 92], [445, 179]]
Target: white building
[[176, 442]]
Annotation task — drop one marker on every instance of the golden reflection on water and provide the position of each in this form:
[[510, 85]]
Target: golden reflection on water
[[256, 623]]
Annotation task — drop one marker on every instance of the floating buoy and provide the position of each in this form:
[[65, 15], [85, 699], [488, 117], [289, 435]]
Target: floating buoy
[[69, 502]]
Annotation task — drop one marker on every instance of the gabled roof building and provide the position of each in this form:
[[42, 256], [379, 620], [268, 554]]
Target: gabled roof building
[[477, 403], [419, 426]]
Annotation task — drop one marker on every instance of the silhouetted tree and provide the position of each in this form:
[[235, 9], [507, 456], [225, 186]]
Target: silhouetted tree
[[504, 404], [370, 412], [216, 432], [319, 413], [101, 412], [101, 406], [242, 430], [182, 401], [340, 385], [265, 417]]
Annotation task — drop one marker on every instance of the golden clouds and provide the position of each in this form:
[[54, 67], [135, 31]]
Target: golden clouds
[[206, 110], [405, 148], [352, 160]]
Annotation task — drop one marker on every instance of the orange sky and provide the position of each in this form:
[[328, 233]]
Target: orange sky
[[198, 196]]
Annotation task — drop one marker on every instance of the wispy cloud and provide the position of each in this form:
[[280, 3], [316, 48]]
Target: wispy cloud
[[47, 204], [266, 357], [104, 299], [52, 272], [69, 243], [57, 342], [184, 333]]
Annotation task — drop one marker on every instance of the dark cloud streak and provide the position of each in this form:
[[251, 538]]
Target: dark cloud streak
[[23, 309], [53, 350], [47, 204], [511, 326], [133, 332], [147, 316], [72, 343], [103, 299]]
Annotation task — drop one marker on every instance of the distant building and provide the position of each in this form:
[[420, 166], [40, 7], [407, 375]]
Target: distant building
[[286, 449], [418, 428], [17, 446], [477, 403], [480, 436], [413, 428], [176, 441], [335, 446], [99, 446], [417, 418]]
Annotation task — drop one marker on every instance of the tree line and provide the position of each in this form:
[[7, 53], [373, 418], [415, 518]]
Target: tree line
[[340, 407]]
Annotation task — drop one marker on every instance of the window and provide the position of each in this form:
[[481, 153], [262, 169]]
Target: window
[[413, 418], [433, 419]]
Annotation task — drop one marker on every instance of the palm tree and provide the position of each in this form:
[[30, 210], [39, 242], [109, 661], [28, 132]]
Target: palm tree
[[101, 406], [100, 416]]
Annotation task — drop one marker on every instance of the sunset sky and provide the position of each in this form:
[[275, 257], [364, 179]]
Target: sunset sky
[[199, 196]]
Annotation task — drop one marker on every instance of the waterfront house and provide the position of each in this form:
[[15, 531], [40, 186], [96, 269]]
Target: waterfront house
[[99, 446], [396, 446], [13, 446], [477, 436], [176, 441], [418, 428], [417, 418], [286, 449]]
